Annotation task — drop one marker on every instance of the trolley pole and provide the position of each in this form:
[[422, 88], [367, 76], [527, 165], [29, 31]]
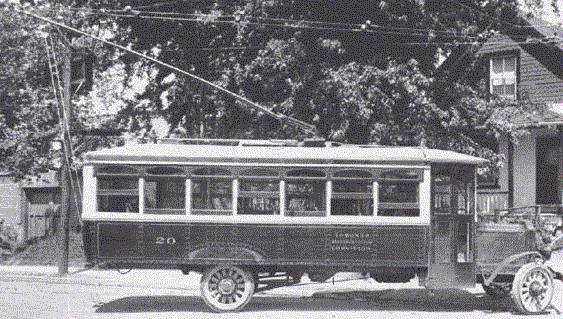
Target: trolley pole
[[65, 168]]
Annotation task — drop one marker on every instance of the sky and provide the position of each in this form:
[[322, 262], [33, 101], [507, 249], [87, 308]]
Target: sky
[[549, 15]]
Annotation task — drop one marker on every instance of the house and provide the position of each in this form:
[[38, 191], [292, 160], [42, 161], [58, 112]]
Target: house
[[23, 204], [525, 63]]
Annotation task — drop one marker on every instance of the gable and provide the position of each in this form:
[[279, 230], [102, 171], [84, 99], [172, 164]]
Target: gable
[[540, 73]]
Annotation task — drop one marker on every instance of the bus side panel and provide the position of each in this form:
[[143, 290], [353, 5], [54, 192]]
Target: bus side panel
[[319, 245], [120, 240]]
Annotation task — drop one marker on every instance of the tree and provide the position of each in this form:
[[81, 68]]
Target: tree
[[29, 114], [362, 71]]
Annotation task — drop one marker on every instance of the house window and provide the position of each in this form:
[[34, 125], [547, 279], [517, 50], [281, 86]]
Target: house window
[[503, 76]]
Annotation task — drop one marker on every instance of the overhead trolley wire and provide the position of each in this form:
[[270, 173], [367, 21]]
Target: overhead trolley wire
[[297, 24], [243, 19], [306, 127]]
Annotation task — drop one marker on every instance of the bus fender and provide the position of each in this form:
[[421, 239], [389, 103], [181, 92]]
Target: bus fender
[[231, 252]]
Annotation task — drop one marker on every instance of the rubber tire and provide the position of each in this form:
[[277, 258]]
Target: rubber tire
[[249, 284], [496, 292], [519, 278]]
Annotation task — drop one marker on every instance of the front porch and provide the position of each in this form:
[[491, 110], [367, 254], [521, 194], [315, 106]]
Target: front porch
[[491, 201], [531, 176]]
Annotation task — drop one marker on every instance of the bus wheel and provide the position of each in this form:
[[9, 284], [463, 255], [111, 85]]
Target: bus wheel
[[532, 288], [226, 288]]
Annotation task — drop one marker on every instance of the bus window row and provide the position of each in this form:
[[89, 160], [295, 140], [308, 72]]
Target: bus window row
[[301, 193]]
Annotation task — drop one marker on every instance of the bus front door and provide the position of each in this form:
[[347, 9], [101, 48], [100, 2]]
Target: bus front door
[[451, 258]]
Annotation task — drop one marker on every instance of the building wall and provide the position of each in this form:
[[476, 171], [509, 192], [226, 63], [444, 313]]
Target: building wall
[[22, 204], [503, 172], [11, 203], [539, 68], [525, 171], [524, 168], [524, 165]]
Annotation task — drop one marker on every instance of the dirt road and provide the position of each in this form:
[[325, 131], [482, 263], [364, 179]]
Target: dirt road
[[169, 294]]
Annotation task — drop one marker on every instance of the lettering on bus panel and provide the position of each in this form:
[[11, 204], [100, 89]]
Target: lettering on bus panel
[[388, 245], [353, 241], [165, 241]]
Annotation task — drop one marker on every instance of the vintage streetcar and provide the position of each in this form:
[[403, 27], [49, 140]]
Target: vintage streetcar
[[256, 215]]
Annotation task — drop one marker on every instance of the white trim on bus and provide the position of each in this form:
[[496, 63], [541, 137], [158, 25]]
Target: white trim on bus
[[227, 164], [90, 208], [258, 219]]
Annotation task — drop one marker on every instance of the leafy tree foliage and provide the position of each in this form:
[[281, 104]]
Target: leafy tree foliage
[[372, 82]]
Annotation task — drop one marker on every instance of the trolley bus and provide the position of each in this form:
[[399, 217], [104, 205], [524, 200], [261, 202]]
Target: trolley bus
[[246, 214]]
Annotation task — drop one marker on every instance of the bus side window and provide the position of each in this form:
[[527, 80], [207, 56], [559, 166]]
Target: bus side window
[[212, 191], [259, 193], [399, 193], [305, 193], [118, 190], [352, 194], [165, 191]]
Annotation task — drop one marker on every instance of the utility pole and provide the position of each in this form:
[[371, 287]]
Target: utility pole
[[65, 168]]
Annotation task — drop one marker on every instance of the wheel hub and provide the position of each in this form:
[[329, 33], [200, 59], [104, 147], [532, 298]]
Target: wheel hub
[[536, 289], [226, 286]]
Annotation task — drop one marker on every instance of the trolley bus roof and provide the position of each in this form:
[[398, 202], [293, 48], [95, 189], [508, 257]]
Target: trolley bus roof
[[366, 154]]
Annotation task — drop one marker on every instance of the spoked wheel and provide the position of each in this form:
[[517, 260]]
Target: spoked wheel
[[227, 288], [532, 288], [496, 292]]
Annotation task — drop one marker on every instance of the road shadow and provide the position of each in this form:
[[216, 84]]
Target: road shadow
[[390, 300]]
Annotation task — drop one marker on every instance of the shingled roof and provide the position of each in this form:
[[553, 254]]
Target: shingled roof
[[531, 30], [535, 37]]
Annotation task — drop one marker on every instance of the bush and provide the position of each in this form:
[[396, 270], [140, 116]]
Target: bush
[[8, 236]]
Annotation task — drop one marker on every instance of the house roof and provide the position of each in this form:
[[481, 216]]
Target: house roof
[[535, 30], [539, 38], [186, 154], [548, 30], [552, 115]]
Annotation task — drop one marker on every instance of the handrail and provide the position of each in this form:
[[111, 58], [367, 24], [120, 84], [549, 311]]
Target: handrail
[[512, 211]]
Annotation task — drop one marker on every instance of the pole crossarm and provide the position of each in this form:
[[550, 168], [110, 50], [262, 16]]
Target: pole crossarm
[[306, 127]]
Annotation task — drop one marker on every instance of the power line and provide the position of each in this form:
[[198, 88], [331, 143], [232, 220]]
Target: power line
[[158, 4], [242, 17], [308, 128], [336, 26], [296, 24], [299, 25]]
